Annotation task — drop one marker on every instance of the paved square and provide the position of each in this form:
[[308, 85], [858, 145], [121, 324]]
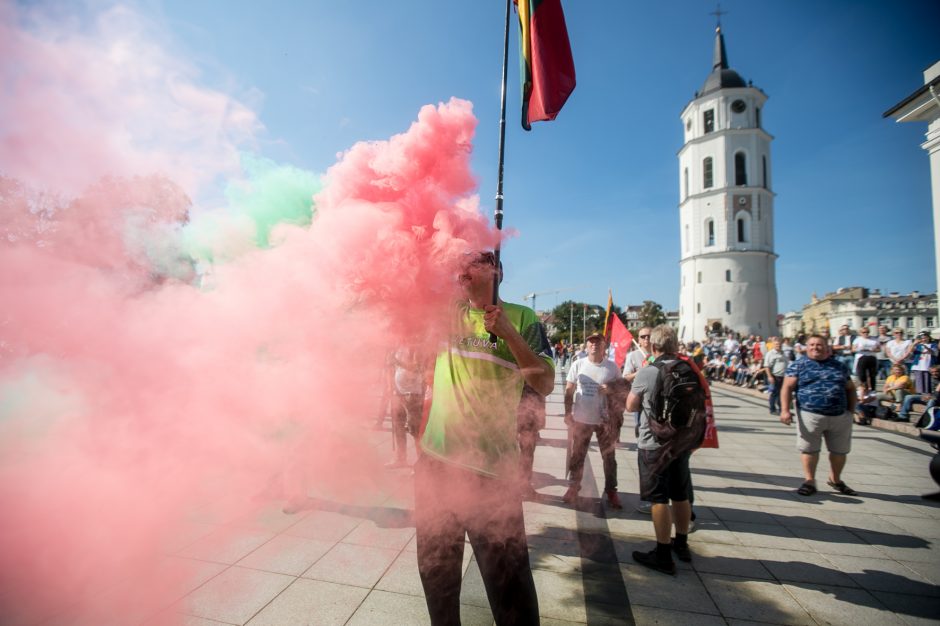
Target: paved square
[[761, 553]]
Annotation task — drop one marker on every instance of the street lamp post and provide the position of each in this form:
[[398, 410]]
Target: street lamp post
[[584, 324], [571, 324]]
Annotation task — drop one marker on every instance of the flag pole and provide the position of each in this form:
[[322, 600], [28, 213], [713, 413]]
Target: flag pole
[[498, 212]]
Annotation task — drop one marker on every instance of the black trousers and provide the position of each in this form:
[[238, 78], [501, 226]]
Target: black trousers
[[867, 370], [451, 503], [775, 394]]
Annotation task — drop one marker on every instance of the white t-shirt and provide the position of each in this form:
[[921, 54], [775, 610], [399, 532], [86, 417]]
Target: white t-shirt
[[635, 360], [587, 376], [731, 346], [865, 345], [895, 349], [409, 377]]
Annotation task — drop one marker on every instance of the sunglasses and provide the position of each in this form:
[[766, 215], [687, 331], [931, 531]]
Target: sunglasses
[[644, 336]]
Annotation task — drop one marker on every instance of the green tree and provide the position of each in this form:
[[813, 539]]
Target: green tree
[[578, 317], [652, 314]]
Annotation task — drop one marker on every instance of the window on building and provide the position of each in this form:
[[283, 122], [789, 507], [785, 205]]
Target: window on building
[[895, 322], [757, 113], [707, 175], [728, 276], [910, 322], [699, 277], [764, 172], [709, 232], [740, 168], [686, 237], [742, 227], [709, 119], [698, 307], [683, 280], [727, 306], [928, 322], [685, 183]]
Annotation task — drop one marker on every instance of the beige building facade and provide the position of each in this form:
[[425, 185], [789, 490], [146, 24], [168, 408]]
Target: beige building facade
[[858, 306]]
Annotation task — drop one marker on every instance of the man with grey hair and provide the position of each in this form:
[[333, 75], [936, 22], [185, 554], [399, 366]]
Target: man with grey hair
[[672, 482]]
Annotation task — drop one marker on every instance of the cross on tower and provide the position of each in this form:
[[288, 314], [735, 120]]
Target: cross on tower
[[718, 13]]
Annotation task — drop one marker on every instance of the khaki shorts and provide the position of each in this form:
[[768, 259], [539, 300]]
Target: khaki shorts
[[812, 428]]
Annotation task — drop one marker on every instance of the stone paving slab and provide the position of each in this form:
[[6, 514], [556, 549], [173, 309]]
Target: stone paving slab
[[761, 553]]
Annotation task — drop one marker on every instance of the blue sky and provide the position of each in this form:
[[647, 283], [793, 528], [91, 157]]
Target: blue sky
[[593, 195]]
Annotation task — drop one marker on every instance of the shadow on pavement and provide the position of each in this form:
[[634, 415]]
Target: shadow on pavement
[[383, 516], [922, 598], [819, 496], [822, 494], [860, 536], [598, 552]]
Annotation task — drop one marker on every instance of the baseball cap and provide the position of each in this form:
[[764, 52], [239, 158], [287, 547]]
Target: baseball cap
[[597, 334]]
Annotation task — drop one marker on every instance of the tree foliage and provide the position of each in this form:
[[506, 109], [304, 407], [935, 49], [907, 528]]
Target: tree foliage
[[580, 317], [652, 314]]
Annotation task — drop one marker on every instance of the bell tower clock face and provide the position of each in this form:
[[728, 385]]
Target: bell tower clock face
[[742, 202], [739, 106]]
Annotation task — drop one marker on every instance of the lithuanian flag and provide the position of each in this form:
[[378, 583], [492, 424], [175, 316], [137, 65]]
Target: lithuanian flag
[[546, 66], [610, 305]]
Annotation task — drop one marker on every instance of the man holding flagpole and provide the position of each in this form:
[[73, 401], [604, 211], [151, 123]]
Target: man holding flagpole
[[467, 481]]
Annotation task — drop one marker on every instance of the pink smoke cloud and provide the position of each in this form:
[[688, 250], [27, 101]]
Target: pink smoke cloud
[[127, 402], [79, 103]]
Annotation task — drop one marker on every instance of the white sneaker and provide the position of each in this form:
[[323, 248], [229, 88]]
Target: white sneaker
[[645, 508]]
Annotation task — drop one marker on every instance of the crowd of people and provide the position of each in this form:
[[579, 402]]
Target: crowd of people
[[908, 367], [475, 410]]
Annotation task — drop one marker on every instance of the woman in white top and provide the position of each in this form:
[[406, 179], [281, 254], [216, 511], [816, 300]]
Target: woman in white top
[[799, 347], [866, 360], [898, 349]]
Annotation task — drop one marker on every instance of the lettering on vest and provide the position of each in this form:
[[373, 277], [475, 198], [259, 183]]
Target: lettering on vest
[[476, 342]]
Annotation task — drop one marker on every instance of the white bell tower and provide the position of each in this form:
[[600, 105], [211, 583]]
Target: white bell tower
[[726, 209]]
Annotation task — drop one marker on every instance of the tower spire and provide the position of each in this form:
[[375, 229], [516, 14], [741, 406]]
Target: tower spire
[[720, 57]]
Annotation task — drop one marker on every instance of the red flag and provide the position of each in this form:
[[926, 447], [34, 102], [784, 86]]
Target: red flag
[[547, 67], [620, 340]]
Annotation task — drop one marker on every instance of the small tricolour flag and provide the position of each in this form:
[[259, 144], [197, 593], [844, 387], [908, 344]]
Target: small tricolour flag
[[546, 65]]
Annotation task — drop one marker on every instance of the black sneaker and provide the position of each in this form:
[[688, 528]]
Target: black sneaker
[[653, 561], [682, 552]]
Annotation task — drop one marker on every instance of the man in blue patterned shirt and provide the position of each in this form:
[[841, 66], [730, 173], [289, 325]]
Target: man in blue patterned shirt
[[825, 402]]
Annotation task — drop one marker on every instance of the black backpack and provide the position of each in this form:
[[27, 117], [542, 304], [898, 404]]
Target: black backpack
[[678, 402]]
